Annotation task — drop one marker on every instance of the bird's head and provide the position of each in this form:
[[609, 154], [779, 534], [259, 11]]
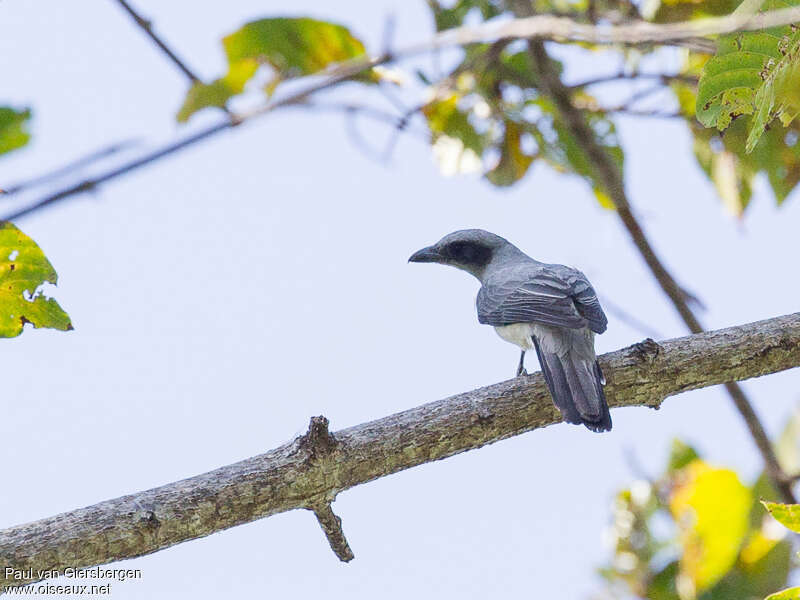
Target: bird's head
[[470, 250]]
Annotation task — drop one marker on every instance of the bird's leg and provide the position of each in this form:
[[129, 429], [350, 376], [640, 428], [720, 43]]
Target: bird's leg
[[521, 367]]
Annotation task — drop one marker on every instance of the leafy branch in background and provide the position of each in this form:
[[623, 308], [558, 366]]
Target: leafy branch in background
[[697, 532], [289, 47], [753, 73]]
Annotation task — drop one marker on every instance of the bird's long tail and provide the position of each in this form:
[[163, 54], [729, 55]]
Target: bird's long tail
[[574, 377]]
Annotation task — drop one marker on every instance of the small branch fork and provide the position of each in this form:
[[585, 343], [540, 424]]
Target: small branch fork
[[332, 526], [319, 442]]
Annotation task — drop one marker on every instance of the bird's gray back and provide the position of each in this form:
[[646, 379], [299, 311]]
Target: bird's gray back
[[522, 290]]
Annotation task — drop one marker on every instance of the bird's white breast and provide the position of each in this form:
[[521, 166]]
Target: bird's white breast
[[518, 334]]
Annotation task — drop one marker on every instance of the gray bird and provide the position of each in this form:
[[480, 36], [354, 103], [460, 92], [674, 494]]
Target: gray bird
[[552, 308]]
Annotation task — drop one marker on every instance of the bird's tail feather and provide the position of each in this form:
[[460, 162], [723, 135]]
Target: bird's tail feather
[[575, 383]]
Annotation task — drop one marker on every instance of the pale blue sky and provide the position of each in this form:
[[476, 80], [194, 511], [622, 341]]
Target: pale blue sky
[[223, 296]]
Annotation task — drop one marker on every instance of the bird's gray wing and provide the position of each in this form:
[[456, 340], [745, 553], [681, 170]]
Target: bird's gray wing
[[549, 294], [588, 305]]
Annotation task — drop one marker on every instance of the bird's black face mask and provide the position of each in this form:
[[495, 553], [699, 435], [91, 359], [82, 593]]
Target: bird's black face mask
[[467, 254]]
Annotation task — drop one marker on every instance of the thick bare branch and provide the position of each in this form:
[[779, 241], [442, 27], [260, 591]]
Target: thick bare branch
[[562, 29], [315, 467]]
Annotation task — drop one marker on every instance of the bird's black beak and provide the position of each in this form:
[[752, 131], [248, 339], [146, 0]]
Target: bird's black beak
[[429, 254]]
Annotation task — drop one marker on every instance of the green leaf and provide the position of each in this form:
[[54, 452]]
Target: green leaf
[[763, 489], [787, 515], [662, 585], [577, 161], [447, 18], [680, 455], [13, 128], [23, 269], [765, 563], [753, 73], [292, 47], [723, 157], [787, 594]]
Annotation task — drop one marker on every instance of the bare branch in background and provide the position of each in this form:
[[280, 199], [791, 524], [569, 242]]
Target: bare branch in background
[[71, 168], [310, 471], [636, 33], [610, 176]]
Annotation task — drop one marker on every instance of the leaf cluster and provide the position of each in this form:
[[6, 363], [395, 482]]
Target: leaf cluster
[[754, 73], [696, 532]]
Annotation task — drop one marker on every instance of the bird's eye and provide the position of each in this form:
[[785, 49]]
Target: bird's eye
[[461, 251]]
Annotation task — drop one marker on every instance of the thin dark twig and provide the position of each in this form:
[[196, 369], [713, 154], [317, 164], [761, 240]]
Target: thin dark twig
[[398, 122], [147, 27], [622, 76], [640, 95], [90, 184], [387, 40], [629, 112], [345, 72], [631, 321], [402, 125], [70, 167]]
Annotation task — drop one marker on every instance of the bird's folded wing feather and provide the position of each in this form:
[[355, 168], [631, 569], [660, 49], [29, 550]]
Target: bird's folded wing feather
[[549, 294]]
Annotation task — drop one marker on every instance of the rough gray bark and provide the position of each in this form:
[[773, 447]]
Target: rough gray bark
[[311, 470]]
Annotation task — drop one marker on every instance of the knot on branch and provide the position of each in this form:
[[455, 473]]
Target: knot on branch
[[318, 441], [146, 516], [483, 416], [646, 351]]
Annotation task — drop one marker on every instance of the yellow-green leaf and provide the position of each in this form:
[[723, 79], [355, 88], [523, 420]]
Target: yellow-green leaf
[[680, 455], [13, 128], [292, 47], [670, 11], [23, 270], [514, 162], [711, 507], [787, 594], [445, 118], [457, 146], [217, 93], [787, 515]]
